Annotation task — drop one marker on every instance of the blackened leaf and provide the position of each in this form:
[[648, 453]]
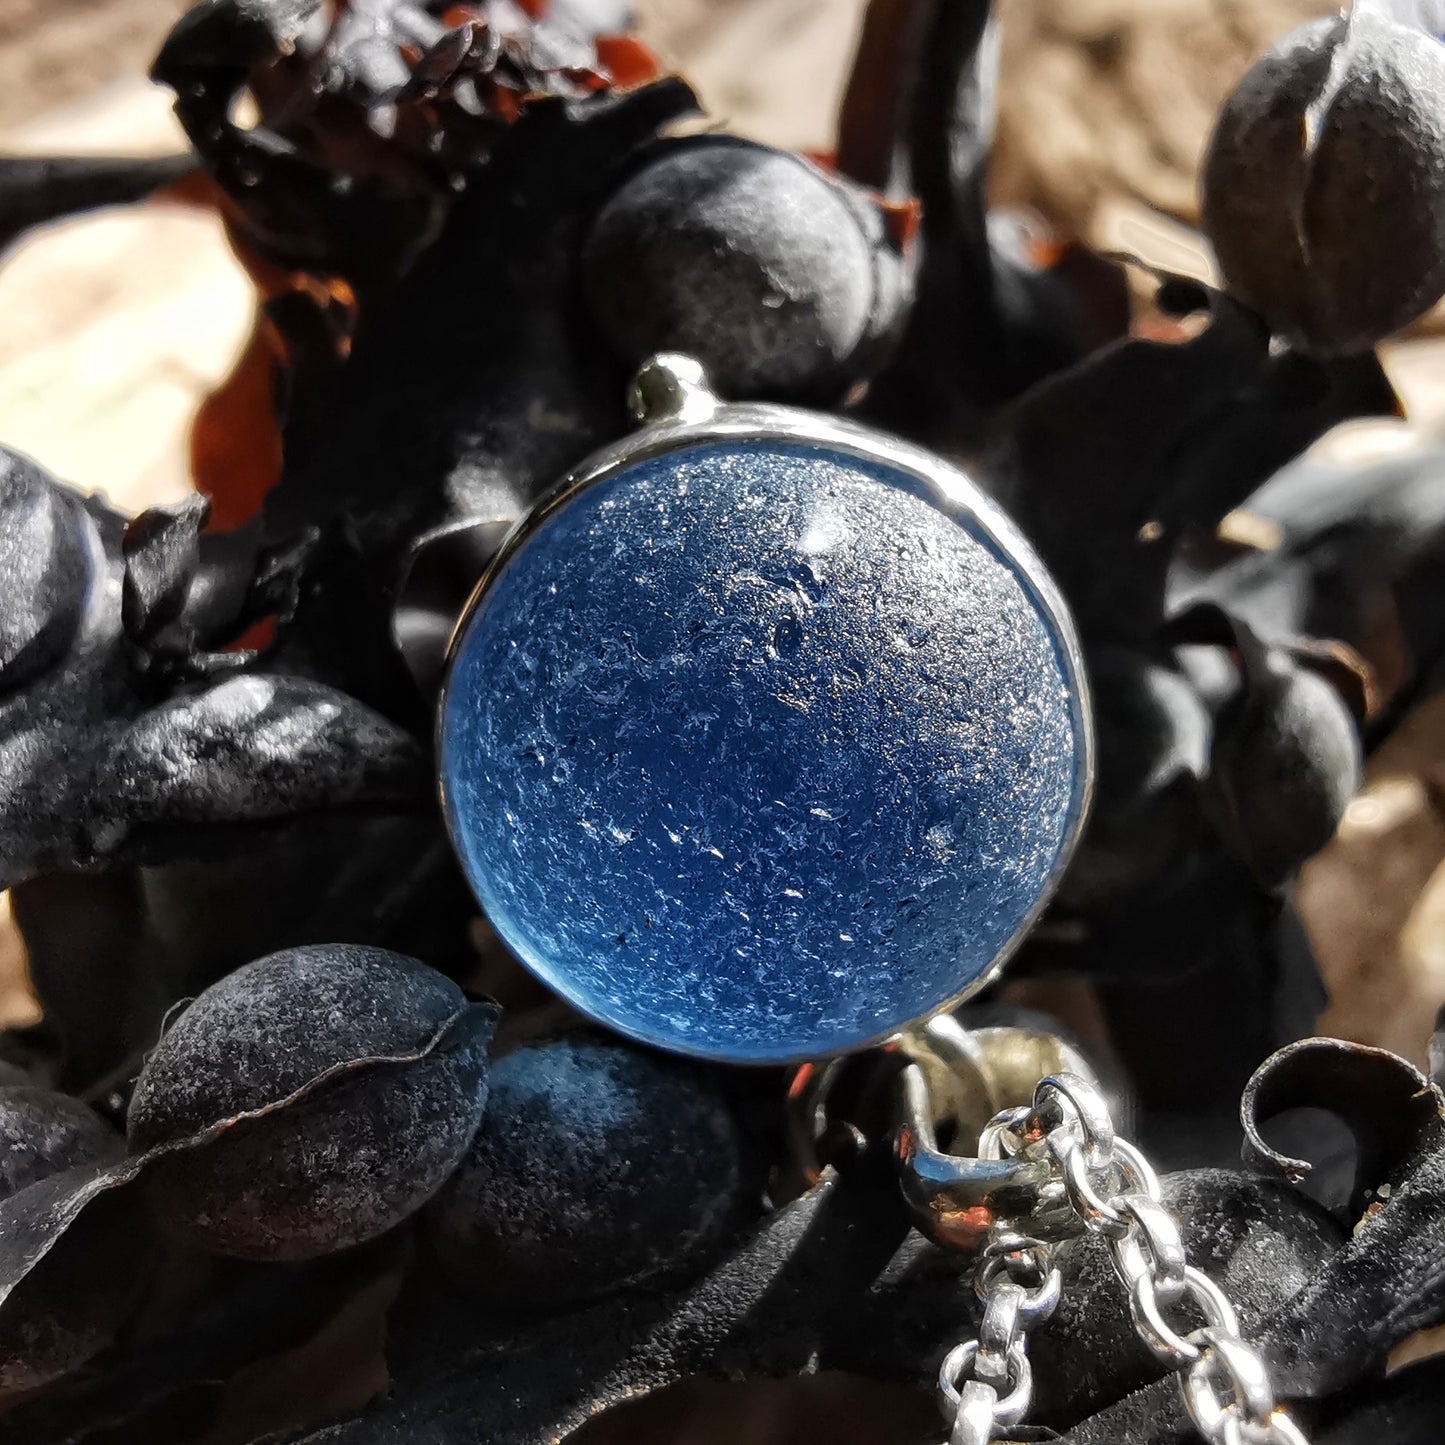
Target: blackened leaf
[[1291, 404], [229, 35], [1172, 435], [823, 1284], [785, 1300], [38, 189], [36, 1217], [1360, 558], [250, 749], [1200, 976], [162, 553], [170, 1385], [1407, 1408], [1153, 1416], [438, 574], [92, 963]]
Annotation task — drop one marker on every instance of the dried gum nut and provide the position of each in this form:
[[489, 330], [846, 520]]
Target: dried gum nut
[[1324, 184]]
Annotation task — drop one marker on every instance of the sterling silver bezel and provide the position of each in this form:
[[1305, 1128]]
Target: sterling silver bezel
[[698, 418]]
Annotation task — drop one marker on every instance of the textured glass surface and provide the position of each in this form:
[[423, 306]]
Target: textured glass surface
[[751, 751]]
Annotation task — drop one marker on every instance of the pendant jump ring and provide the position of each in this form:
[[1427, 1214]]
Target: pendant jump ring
[[1000, 1139], [807, 1114], [1037, 1303], [1085, 1200], [1137, 1173], [1070, 1099]]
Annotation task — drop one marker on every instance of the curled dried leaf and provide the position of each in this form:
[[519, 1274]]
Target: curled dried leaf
[[1388, 1104], [73, 1254], [162, 555]]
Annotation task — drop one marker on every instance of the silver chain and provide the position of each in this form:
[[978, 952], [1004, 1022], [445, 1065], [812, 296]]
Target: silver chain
[[987, 1384], [1102, 1183]]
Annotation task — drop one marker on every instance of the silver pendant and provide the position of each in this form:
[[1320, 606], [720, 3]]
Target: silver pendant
[[764, 734]]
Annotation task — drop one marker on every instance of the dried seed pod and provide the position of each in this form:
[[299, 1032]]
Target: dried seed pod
[[311, 1101], [598, 1164], [777, 278], [43, 1132], [1324, 183], [1286, 763], [1153, 743]]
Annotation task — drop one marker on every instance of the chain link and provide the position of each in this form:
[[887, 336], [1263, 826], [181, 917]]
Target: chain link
[[1100, 1184], [986, 1385], [1115, 1194]]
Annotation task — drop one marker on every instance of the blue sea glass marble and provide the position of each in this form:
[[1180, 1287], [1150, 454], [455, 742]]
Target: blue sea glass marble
[[752, 751]]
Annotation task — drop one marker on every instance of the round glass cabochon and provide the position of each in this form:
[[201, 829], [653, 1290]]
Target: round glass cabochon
[[752, 751]]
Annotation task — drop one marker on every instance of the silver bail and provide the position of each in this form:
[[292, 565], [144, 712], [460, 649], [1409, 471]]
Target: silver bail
[[671, 387]]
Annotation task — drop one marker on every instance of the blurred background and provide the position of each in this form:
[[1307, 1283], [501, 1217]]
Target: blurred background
[[112, 328]]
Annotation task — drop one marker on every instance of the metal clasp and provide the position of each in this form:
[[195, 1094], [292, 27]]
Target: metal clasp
[[949, 1077], [957, 1199]]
